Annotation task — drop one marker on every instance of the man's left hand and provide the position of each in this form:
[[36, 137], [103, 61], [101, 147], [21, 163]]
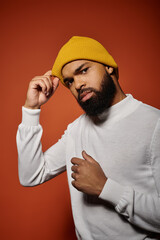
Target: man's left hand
[[88, 175]]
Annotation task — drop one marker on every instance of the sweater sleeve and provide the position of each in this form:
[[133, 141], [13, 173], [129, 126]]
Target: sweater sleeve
[[140, 209], [36, 167]]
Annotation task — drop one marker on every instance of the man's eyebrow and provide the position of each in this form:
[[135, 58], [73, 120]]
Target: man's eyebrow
[[77, 70]]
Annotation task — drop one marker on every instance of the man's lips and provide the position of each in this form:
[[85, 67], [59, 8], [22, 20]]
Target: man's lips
[[85, 95]]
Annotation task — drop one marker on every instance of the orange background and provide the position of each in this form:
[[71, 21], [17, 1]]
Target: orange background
[[32, 32]]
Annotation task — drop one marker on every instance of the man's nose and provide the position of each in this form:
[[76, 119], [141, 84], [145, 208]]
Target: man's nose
[[79, 83]]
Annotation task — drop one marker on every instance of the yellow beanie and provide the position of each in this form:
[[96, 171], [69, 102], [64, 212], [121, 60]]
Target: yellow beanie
[[81, 48]]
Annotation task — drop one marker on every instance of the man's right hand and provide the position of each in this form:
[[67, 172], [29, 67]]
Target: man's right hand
[[41, 88]]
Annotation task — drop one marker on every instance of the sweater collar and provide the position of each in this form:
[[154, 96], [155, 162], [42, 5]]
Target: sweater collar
[[120, 109]]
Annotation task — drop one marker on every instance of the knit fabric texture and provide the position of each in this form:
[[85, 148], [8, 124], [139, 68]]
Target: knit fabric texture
[[78, 48]]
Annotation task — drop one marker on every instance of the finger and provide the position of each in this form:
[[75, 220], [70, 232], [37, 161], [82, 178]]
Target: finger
[[55, 82], [74, 168], [76, 161], [44, 77], [47, 82], [76, 185], [39, 83], [48, 73], [87, 157], [74, 176]]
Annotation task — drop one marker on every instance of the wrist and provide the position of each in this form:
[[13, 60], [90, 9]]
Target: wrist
[[26, 105], [103, 182]]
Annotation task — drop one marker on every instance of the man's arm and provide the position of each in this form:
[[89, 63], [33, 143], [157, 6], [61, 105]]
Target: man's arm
[[140, 209], [35, 166]]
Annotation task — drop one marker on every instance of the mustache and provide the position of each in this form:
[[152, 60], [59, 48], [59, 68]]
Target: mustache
[[85, 90]]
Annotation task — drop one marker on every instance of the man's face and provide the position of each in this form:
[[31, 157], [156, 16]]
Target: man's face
[[90, 84]]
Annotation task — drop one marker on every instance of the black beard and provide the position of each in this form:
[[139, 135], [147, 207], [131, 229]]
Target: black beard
[[101, 100]]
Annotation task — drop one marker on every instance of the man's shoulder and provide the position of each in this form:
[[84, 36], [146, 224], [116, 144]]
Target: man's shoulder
[[147, 116], [149, 111]]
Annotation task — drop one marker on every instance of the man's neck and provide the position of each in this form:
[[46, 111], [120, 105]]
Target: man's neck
[[119, 96]]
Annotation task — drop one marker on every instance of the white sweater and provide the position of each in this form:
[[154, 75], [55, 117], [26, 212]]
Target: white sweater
[[127, 146]]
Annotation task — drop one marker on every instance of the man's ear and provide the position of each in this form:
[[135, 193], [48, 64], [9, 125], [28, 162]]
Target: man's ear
[[110, 70]]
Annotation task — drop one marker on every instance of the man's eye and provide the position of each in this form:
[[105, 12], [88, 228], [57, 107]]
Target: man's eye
[[69, 82], [84, 70]]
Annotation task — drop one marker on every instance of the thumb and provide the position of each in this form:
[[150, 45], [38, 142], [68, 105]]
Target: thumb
[[87, 157]]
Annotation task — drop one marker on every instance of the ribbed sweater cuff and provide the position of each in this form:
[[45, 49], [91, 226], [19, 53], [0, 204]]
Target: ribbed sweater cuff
[[112, 192], [30, 117]]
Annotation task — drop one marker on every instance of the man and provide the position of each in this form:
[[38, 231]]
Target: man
[[111, 153]]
